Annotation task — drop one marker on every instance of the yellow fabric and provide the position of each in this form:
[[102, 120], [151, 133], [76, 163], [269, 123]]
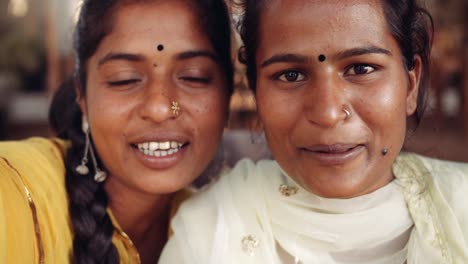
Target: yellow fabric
[[36, 166]]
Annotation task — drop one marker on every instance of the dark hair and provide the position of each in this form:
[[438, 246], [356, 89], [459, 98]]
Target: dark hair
[[92, 226], [410, 24]]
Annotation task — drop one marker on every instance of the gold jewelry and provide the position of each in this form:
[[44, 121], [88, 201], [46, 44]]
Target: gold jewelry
[[347, 113], [249, 244], [288, 190], [175, 109]]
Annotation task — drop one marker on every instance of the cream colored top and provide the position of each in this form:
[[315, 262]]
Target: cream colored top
[[419, 218]]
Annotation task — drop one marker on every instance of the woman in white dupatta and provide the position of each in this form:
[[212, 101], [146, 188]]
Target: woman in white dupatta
[[336, 83]]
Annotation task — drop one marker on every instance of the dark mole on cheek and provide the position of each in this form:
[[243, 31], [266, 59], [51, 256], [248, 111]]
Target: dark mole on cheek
[[160, 47], [322, 58]]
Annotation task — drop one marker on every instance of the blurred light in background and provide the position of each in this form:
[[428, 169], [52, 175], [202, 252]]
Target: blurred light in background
[[18, 8]]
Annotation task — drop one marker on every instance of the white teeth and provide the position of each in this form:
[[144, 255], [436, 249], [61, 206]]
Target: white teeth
[[153, 146], [165, 145], [160, 149]]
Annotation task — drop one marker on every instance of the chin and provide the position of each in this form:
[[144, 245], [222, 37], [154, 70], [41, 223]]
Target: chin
[[166, 185], [335, 191]]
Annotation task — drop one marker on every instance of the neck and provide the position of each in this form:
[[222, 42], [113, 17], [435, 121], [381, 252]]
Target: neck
[[143, 217]]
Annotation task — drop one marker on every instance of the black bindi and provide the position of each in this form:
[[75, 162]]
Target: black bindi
[[322, 58], [160, 47]]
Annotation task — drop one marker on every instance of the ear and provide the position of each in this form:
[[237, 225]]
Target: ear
[[80, 98], [413, 88]]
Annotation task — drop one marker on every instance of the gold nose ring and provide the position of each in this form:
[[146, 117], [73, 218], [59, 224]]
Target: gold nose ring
[[347, 113], [175, 108]]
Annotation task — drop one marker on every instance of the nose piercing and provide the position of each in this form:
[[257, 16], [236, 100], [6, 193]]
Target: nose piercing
[[175, 108], [347, 113]]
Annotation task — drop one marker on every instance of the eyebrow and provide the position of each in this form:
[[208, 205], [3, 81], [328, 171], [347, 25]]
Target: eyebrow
[[120, 56], [137, 57], [296, 58], [285, 58], [362, 51], [196, 53]]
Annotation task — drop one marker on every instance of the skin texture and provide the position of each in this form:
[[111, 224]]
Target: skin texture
[[301, 100], [128, 101]]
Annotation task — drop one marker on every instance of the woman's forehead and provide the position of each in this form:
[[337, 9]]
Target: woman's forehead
[[323, 25]]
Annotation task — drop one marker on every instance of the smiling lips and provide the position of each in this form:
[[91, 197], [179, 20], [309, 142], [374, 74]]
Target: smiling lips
[[159, 149], [335, 154]]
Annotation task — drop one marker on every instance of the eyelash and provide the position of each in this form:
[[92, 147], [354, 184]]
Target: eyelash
[[196, 79], [301, 76], [353, 67], [123, 82]]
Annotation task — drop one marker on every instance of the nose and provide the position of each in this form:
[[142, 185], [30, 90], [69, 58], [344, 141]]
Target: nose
[[325, 101], [156, 103]]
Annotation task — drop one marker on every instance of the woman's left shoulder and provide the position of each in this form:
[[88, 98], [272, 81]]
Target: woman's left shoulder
[[436, 191], [448, 177], [436, 168]]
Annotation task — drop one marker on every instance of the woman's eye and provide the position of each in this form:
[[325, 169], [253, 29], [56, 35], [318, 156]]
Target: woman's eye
[[123, 82], [291, 76], [360, 69], [202, 80]]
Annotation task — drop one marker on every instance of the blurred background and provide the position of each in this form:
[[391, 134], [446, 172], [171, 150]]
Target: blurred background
[[36, 56]]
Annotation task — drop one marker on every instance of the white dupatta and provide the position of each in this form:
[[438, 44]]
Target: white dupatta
[[244, 219]]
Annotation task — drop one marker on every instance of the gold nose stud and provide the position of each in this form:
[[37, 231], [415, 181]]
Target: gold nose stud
[[175, 108]]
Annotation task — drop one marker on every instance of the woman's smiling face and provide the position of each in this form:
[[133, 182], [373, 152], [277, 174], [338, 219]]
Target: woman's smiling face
[[303, 97], [155, 55]]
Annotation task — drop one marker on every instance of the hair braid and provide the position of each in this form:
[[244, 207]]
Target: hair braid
[[92, 227]]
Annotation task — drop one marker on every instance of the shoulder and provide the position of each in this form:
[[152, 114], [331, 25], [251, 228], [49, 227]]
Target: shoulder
[[51, 151], [442, 171], [450, 177], [436, 190], [36, 164], [33, 198], [446, 181], [35, 161]]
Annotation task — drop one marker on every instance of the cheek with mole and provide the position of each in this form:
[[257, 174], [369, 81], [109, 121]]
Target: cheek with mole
[[384, 152]]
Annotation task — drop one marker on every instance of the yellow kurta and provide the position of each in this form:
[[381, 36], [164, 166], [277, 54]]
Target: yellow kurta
[[34, 221]]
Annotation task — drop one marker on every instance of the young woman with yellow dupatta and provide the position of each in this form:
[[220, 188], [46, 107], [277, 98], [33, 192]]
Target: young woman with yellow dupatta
[[153, 81]]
